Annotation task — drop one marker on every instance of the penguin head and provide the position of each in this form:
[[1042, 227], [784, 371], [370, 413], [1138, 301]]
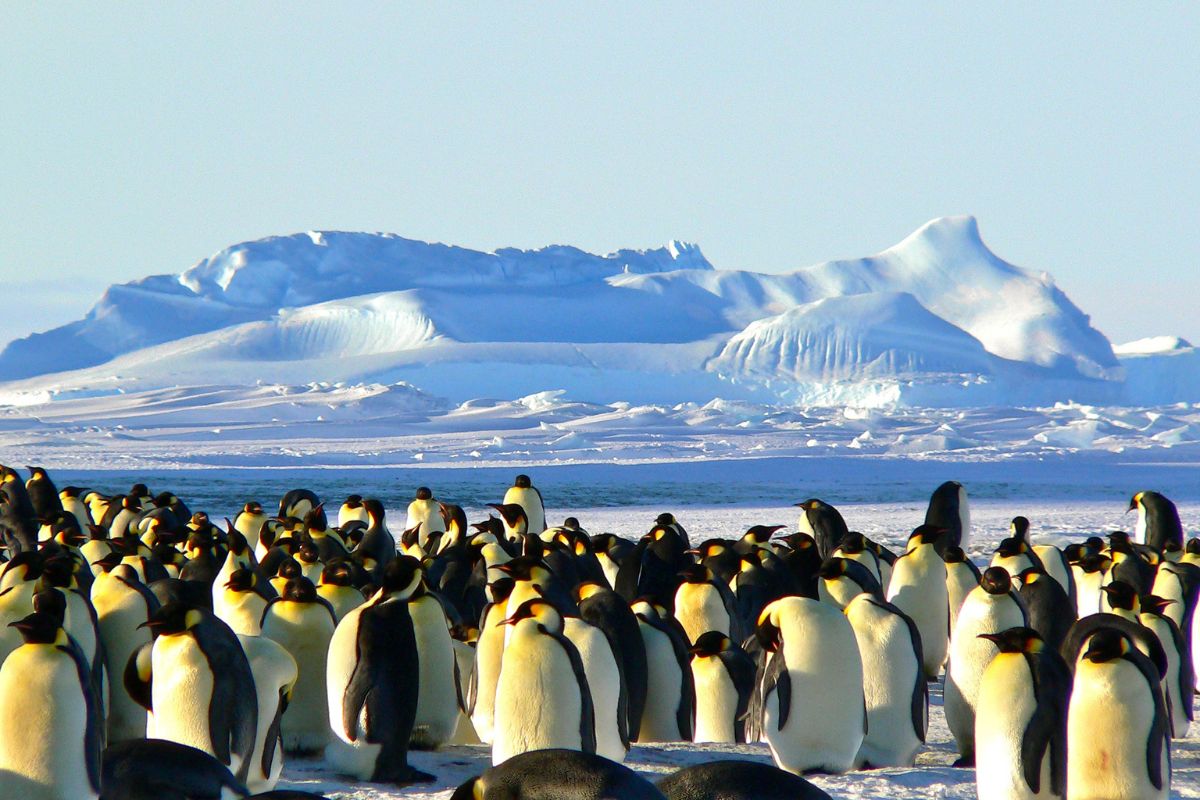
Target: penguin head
[[696, 573], [109, 562], [954, 555], [832, 568], [173, 619], [1016, 640], [253, 508], [1121, 595], [1029, 576], [761, 534], [925, 535], [40, 627], [571, 524], [588, 589], [300, 590], [36, 473], [513, 515], [401, 577], [499, 589], [338, 573], [374, 510], [710, 644], [424, 493], [1012, 547], [1107, 644], [1095, 562], [1153, 604], [1193, 546], [315, 519], [710, 548], [1093, 544], [1120, 541], [522, 482], [353, 501], [139, 490], [996, 580], [241, 580], [800, 542], [853, 543], [1135, 501], [767, 631], [57, 573], [525, 568], [1074, 553], [538, 609], [1019, 528], [307, 553], [665, 519], [289, 568]]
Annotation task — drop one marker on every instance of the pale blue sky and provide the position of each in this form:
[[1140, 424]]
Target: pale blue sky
[[139, 139]]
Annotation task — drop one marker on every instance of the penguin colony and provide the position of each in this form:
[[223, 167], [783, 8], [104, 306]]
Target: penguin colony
[[149, 651]]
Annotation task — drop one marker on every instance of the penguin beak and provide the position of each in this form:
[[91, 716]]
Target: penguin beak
[[991, 637]]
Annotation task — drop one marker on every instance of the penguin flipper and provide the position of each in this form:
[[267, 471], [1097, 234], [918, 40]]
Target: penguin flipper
[[920, 695], [93, 735], [232, 716], [741, 671], [1160, 726], [138, 679], [274, 735], [386, 683], [587, 714], [777, 679]]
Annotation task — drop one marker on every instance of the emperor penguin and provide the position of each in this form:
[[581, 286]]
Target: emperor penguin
[[296, 503], [1179, 682], [201, 688], [425, 511], [80, 621], [841, 580], [1021, 719], [950, 509], [993, 606], [918, 588], [514, 520], [1090, 574], [302, 622], [352, 510], [53, 732], [43, 494], [724, 677], [669, 713], [610, 551], [337, 588], [1051, 612], [437, 705], [275, 674], [1180, 583], [603, 674], [489, 652], [703, 603], [18, 584], [605, 609], [371, 682], [854, 547], [823, 523], [962, 576], [72, 502], [894, 686], [813, 672], [1118, 731], [123, 606], [734, 779], [558, 773], [755, 537], [1053, 560], [377, 547], [1015, 556], [561, 714], [155, 769], [241, 601], [249, 523], [526, 495], [1157, 521]]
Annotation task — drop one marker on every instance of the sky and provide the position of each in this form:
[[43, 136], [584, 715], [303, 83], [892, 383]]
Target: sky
[[139, 139]]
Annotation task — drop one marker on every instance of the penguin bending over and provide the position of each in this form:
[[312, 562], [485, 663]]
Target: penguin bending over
[[738, 780], [557, 773]]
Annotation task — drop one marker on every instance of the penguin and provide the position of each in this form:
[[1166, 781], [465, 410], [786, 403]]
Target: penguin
[[756, 537], [918, 588], [603, 676], [1015, 556], [734, 779], [894, 686], [43, 494], [824, 524], [1121, 599], [723, 674], [526, 495], [18, 584], [610, 551], [275, 674], [489, 652], [250, 522], [1118, 731], [1053, 560], [370, 680], [993, 606], [703, 603], [557, 773], [813, 671], [337, 588], [1179, 682], [799, 555], [561, 714], [71, 501], [1090, 573], [606, 610], [80, 621], [378, 546], [123, 605], [842, 580], [464, 675], [1021, 719], [242, 600], [854, 547], [53, 733], [201, 688], [302, 622], [962, 576], [652, 568], [437, 704], [950, 509], [669, 712], [515, 523], [297, 503], [352, 510], [1180, 583], [1051, 612], [425, 512], [719, 556], [154, 769], [1157, 521]]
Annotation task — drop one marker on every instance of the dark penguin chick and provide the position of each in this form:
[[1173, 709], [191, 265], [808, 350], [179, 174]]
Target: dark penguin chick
[[756, 537], [43, 494], [824, 524], [557, 774], [605, 609], [738, 780], [802, 558], [1051, 611]]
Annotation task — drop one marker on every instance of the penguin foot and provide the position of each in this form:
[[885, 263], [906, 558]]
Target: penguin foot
[[416, 776], [964, 761]]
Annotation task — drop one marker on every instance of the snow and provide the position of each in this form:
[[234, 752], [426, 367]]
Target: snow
[[1152, 345]]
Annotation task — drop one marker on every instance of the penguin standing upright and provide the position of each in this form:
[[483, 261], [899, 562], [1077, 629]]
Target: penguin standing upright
[[823, 523], [962, 576], [1179, 681], [377, 547], [489, 654], [1021, 719], [670, 692], [424, 511], [249, 523], [896, 693], [52, 730], [560, 714], [918, 588], [43, 494], [1157, 521], [703, 603], [526, 495], [724, 677], [604, 608], [302, 622], [993, 606], [1051, 611], [437, 705], [123, 606], [813, 672], [609, 699], [371, 678], [1118, 732], [950, 509]]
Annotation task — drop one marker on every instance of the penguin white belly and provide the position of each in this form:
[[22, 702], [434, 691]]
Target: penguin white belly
[[663, 688], [716, 701], [538, 702], [610, 568], [464, 657], [960, 582], [1195, 640], [14, 604], [1088, 591], [94, 550], [42, 757], [1170, 682], [274, 670], [241, 611], [970, 656], [699, 609], [1005, 705], [521, 592], [437, 704], [827, 685], [837, 591], [120, 611], [1052, 562], [1139, 530], [344, 599], [1168, 585], [1108, 725], [890, 675], [604, 681], [304, 630], [918, 588], [355, 758], [530, 500], [489, 651], [181, 693]]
